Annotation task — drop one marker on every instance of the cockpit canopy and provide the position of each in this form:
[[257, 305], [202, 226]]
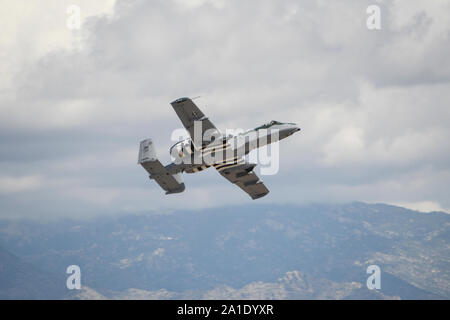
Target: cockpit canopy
[[268, 125]]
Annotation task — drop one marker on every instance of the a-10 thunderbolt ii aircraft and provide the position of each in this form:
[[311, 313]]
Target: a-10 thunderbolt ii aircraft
[[208, 147]]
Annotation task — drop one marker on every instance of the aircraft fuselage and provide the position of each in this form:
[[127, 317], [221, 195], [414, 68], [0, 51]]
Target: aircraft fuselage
[[227, 151]]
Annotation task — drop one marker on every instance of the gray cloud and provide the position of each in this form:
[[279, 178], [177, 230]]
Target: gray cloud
[[372, 104]]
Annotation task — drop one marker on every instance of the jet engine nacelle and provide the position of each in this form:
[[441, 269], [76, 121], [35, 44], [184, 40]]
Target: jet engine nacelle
[[182, 149]]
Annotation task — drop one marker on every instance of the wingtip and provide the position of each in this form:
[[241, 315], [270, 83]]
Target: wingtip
[[260, 195], [180, 100]]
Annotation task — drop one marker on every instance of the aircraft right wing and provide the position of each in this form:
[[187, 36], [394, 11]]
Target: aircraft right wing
[[189, 113], [243, 176]]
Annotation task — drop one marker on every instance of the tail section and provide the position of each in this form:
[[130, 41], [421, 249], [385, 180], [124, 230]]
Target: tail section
[[171, 183]]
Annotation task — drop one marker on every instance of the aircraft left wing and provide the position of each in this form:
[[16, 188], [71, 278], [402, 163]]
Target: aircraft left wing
[[188, 113], [243, 176]]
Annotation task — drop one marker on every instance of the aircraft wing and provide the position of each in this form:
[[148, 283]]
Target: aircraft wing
[[188, 113], [243, 176]]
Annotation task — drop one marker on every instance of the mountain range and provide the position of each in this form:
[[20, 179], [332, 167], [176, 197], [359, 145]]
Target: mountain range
[[318, 251]]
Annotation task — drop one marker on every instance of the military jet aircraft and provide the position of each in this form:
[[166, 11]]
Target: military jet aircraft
[[208, 147]]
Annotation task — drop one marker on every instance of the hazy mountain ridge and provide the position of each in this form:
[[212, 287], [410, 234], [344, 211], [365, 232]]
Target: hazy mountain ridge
[[293, 285], [244, 252], [21, 280]]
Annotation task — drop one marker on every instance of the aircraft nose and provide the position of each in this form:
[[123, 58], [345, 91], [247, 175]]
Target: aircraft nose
[[289, 130], [294, 129]]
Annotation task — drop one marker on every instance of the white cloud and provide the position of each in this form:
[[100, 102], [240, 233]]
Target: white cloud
[[372, 105], [11, 184], [423, 206], [32, 29], [394, 125]]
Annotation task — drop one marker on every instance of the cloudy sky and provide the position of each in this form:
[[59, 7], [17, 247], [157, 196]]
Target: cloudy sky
[[373, 105]]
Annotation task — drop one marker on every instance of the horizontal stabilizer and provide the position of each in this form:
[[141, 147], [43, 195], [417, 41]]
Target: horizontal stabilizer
[[171, 183]]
